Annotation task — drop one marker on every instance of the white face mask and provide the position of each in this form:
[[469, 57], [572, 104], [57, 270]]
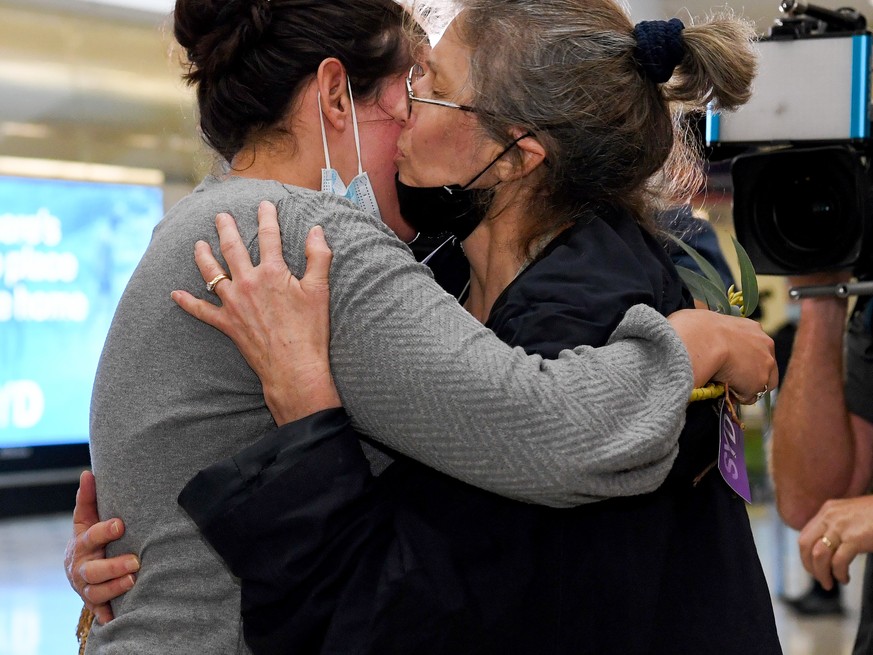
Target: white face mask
[[359, 191]]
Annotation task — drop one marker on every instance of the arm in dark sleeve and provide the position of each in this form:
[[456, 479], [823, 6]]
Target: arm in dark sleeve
[[290, 516], [327, 555]]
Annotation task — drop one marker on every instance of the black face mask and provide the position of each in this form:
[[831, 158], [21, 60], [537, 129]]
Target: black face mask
[[451, 209]]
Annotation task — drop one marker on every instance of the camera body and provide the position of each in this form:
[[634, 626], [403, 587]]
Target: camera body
[[802, 191]]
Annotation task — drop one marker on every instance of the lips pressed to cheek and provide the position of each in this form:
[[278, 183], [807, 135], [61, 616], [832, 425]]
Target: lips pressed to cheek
[[437, 147]]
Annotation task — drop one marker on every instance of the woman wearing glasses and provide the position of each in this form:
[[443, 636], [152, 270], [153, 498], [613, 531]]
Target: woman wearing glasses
[[414, 370], [540, 135]]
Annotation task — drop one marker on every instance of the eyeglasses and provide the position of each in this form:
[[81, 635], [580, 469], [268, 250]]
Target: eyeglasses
[[415, 74]]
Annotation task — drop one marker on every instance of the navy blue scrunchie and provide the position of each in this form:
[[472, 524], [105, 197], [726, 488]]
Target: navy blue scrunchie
[[660, 47]]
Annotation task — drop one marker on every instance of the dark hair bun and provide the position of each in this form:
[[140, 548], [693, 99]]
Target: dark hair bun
[[217, 33]]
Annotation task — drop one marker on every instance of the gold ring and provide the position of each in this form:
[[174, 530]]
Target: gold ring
[[830, 545], [210, 286]]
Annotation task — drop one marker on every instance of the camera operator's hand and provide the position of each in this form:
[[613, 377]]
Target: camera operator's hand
[[841, 530]]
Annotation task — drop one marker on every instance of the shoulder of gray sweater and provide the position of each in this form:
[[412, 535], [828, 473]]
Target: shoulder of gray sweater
[[298, 209], [235, 195], [358, 239]]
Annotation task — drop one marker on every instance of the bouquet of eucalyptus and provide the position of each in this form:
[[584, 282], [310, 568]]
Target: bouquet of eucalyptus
[[709, 288]]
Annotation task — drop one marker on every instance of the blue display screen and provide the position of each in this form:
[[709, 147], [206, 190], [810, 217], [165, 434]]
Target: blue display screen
[[67, 250]]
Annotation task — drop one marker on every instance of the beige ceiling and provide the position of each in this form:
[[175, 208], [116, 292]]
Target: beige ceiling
[[93, 89]]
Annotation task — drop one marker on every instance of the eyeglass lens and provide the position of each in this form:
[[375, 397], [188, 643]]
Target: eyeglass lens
[[415, 74]]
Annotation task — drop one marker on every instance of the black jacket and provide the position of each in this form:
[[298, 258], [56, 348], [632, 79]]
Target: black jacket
[[333, 560]]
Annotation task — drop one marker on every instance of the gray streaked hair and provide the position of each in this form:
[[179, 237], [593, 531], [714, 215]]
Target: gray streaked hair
[[565, 71]]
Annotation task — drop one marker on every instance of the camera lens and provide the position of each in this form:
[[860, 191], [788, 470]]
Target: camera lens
[[806, 212], [799, 210]]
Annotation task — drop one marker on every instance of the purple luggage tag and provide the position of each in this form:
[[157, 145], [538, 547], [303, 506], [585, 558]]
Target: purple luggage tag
[[731, 453]]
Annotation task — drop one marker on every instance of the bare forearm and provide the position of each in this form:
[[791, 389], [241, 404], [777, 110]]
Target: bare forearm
[[813, 446]]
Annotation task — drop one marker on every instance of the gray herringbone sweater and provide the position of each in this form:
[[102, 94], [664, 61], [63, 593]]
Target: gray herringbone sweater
[[414, 370]]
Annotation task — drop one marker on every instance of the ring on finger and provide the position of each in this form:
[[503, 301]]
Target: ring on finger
[[210, 286], [762, 393], [830, 545]]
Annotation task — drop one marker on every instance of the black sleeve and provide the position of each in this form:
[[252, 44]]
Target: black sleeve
[[289, 515], [330, 560]]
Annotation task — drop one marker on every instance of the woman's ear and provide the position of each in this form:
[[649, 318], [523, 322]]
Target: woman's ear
[[332, 84], [533, 154]]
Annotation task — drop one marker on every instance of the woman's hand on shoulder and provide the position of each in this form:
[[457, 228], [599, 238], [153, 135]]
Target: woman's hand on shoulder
[[280, 324], [95, 578], [728, 349]]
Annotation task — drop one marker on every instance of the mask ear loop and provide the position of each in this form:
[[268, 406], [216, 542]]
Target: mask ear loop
[[494, 161], [323, 133], [355, 125]]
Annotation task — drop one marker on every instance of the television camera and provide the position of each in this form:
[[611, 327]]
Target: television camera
[[802, 187]]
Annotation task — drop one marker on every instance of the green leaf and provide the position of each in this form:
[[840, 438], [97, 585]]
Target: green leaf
[[704, 289], [748, 278], [690, 281], [707, 268]]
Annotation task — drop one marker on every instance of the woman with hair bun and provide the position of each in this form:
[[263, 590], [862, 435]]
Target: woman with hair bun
[[544, 136], [304, 100]]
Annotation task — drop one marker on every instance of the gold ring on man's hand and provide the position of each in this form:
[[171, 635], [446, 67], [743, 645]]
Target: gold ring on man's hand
[[830, 545]]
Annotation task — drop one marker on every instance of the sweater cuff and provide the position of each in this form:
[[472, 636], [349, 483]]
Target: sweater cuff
[[644, 322]]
